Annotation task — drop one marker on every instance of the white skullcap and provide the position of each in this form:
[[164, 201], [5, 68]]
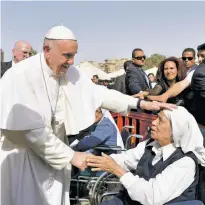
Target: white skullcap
[[60, 33]]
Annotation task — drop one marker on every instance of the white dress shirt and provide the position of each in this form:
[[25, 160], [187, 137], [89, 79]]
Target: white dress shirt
[[189, 76], [166, 186]]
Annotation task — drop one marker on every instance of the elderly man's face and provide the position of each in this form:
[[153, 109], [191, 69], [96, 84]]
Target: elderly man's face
[[201, 55], [21, 52], [161, 129], [61, 55]]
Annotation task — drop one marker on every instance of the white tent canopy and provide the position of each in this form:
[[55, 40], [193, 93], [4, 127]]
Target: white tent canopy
[[89, 69], [116, 73]]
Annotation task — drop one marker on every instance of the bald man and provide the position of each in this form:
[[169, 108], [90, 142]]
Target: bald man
[[21, 51]]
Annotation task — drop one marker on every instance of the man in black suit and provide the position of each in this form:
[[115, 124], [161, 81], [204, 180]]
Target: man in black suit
[[136, 79], [120, 80], [21, 51], [198, 87]]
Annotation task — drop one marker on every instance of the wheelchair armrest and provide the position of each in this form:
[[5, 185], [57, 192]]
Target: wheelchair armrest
[[103, 147]]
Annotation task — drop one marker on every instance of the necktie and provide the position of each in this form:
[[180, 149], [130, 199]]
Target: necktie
[[146, 79]]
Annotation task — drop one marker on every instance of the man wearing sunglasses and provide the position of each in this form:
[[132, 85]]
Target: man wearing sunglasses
[[188, 58], [196, 80], [177, 88], [21, 51], [136, 79]]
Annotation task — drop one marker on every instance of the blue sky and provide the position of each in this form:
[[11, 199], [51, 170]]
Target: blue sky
[[107, 29]]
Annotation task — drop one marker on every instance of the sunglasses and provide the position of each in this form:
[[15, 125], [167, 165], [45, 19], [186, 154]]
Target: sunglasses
[[202, 56], [140, 57], [187, 58]]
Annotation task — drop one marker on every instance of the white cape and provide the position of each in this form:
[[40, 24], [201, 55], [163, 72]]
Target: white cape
[[29, 167], [24, 106], [24, 103]]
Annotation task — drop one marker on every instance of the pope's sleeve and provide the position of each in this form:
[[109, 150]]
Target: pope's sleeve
[[118, 102], [47, 146]]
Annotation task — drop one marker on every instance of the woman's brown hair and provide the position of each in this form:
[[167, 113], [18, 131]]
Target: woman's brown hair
[[180, 68]]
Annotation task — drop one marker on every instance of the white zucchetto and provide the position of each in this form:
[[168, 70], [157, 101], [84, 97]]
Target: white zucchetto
[[60, 33]]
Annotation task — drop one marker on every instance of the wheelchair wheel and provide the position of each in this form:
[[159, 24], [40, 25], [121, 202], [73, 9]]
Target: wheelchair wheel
[[105, 187]]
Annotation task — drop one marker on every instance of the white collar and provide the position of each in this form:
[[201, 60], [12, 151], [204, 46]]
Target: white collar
[[45, 67], [12, 63], [164, 151]]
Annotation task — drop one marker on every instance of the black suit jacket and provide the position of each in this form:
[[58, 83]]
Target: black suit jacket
[[120, 84], [198, 87], [135, 80], [5, 66]]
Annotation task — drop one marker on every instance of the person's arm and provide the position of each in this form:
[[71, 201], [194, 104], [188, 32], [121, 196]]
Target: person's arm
[[120, 103], [100, 134], [132, 81], [143, 94], [50, 148], [157, 90], [173, 91], [166, 186]]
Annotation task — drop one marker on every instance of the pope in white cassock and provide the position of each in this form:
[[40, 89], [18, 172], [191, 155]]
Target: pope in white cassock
[[43, 99]]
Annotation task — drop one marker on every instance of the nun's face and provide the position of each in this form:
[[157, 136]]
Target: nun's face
[[161, 129], [61, 55]]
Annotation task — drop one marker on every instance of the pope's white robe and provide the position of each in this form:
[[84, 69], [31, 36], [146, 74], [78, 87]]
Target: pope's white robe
[[34, 158]]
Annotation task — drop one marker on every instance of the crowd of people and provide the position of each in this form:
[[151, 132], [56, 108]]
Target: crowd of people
[[46, 102], [178, 80]]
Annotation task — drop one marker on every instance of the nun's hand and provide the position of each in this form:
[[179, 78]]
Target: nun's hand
[[155, 106], [105, 163]]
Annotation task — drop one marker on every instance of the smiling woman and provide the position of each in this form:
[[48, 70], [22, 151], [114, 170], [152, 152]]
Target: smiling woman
[[170, 71], [163, 169]]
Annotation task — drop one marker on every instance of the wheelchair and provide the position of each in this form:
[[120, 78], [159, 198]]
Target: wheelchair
[[93, 189]]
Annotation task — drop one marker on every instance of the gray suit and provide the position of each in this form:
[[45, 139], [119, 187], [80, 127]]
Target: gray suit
[[135, 80], [120, 84]]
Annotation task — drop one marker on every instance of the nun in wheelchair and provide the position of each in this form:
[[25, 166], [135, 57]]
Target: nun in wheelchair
[[161, 170], [104, 133]]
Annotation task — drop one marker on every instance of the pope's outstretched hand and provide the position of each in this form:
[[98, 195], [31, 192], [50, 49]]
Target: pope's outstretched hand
[[79, 160], [154, 105]]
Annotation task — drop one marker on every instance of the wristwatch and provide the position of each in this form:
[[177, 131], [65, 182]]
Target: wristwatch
[[138, 103]]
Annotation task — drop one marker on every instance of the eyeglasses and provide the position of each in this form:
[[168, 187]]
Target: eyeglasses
[[140, 57], [187, 58], [24, 52]]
